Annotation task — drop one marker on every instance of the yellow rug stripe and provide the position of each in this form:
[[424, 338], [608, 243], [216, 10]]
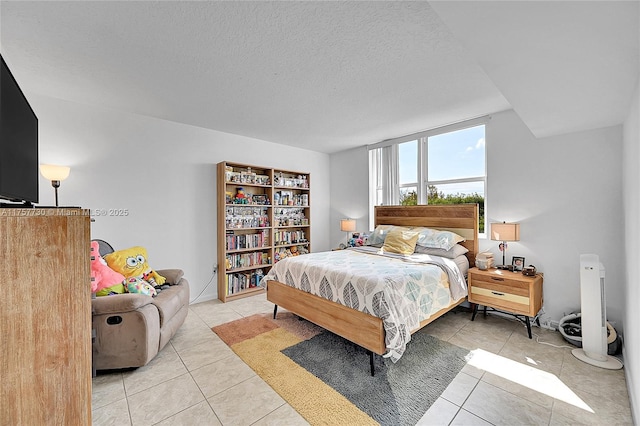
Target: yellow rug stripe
[[317, 402]]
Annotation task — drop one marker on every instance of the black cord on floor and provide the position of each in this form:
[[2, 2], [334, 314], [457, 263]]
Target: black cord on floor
[[205, 287]]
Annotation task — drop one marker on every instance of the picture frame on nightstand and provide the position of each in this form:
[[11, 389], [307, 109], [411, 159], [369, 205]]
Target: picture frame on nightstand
[[517, 262]]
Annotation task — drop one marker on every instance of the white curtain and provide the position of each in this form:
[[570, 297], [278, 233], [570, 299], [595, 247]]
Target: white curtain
[[389, 175]]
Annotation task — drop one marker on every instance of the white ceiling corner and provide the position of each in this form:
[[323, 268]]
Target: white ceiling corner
[[564, 66]]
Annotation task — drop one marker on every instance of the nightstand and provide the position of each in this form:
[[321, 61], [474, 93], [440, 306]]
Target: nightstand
[[506, 291]]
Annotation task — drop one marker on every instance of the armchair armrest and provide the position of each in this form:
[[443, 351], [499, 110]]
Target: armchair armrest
[[173, 276], [119, 303]]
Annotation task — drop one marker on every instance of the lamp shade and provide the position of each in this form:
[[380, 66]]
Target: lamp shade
[[505, 231], [53, 172], [347, 225]]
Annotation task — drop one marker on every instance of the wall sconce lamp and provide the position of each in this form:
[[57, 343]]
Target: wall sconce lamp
[[55, 174], [347, 225], [505, 232]]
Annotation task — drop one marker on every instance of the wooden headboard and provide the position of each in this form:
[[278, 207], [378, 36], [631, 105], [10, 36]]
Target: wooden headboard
[[459, 218]]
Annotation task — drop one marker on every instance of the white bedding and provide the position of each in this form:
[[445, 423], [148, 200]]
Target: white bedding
[[401, 290]]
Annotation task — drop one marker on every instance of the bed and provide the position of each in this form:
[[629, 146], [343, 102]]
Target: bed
[[363, 328]]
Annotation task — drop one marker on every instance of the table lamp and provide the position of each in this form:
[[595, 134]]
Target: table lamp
[[55, 174], [505, 232], [347, 225]]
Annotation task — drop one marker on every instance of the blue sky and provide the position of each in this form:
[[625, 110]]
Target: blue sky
[[453, 155]]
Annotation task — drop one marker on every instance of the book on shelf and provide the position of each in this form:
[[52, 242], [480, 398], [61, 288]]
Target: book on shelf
[[244, 260], [240, 281], [289, 237], [246, 241]]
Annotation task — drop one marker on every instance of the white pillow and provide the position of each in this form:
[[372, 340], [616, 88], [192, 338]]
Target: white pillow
[[433, 238], [456, 251], [376, 239]]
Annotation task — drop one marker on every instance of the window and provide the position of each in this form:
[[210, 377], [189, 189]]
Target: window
[[441, 166]]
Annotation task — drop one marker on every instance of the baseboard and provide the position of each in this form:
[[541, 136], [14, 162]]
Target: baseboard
[[631, 389], [203, 298]]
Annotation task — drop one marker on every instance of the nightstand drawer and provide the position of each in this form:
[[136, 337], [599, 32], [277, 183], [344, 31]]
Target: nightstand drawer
[[500, 300], [501, 284], [498, 295]]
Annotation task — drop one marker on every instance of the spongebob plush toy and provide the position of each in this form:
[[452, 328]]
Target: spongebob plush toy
[[132, 263]]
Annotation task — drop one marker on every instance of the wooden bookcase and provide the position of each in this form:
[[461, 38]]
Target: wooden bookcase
[[263, 216]]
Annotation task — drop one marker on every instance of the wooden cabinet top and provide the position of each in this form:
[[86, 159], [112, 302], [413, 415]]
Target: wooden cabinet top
[[41, 212], [503, 273]]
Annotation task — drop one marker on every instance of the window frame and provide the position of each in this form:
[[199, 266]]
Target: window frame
[[391, 196]]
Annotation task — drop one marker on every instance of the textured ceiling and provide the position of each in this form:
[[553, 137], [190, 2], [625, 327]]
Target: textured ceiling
[[564, 66], [325, 76]]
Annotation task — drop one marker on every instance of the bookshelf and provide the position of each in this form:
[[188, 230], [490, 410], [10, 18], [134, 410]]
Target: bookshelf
[[263, 216]]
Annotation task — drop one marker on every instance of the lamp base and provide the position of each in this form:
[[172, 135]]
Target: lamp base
[[506, 267]]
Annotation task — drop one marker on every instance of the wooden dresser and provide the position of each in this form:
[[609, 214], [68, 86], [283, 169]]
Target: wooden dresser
[[506, 291], [45, 316]]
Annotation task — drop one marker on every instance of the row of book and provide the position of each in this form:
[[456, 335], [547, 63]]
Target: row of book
[[246, 241], [243, 260], [241, 281], [289, 237]]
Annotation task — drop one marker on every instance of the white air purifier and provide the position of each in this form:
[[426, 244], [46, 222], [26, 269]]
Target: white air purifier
[[594, 315]]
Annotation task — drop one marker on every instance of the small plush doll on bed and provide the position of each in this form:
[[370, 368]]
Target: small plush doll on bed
[[103, 277], [132, 263]]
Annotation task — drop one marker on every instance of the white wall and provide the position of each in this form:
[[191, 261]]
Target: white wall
[[631, 191], [349, 192], [164, 174], [565, 191]]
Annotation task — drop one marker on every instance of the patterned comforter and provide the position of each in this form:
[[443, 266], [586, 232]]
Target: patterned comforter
[[401, 290]]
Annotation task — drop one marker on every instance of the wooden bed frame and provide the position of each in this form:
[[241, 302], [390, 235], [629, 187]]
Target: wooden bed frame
[[363, 329]]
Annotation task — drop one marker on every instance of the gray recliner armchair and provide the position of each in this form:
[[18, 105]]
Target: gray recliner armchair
[[130, 329]]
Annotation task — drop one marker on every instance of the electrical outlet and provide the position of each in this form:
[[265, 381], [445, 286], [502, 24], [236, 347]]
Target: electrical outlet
[[215, 268]]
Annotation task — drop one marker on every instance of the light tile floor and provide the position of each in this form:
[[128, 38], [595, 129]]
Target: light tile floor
[[509, 380]]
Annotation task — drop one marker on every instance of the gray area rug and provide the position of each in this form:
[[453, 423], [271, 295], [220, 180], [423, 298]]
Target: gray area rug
[[398, 394]]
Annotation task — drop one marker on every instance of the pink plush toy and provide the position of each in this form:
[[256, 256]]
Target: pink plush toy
[[104, 276]]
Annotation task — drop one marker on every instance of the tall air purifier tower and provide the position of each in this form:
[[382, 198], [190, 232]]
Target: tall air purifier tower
[[594, 315]]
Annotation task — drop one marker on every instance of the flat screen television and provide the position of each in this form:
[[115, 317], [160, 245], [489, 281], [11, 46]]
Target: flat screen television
[[18, 142]]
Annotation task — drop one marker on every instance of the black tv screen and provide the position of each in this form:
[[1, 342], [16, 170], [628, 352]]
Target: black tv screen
[[18, 142]]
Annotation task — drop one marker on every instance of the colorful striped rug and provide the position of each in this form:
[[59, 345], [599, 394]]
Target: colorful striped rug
[[327, 379]]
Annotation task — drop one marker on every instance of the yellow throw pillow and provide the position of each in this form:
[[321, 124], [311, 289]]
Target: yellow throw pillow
[[401, 240]]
